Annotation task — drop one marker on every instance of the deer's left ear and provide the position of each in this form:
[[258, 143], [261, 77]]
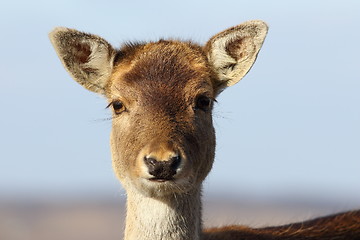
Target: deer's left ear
[[233, 51]]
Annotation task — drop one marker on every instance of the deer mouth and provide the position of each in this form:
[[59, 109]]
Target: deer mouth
[[163, 186], [161, 180]]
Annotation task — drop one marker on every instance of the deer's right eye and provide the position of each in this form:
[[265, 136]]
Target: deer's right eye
[[117, 106], [203, 102]]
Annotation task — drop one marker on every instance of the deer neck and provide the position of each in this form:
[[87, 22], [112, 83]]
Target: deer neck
[[176, 217]]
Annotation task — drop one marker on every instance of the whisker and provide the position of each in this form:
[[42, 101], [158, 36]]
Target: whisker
[[103, 119], [222, 115]]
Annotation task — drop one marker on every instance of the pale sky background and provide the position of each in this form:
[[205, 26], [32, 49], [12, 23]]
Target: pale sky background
[[290, 127]]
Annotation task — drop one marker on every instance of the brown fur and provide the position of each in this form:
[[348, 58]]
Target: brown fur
[[344, 226], [162, 94]]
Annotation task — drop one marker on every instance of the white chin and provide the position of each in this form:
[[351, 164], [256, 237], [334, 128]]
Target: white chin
[[161, 188]]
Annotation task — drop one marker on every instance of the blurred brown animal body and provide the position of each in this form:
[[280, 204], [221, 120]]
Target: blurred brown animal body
[[163, 139]]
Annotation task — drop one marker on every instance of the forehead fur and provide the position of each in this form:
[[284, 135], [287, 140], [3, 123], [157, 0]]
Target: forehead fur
[[161, 66]]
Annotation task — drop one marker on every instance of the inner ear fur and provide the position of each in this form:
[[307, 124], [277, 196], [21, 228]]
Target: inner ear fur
[[233, 51], [88, 58]]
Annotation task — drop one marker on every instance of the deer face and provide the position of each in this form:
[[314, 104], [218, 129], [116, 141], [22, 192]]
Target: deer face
[[161, 95], [162, 138]]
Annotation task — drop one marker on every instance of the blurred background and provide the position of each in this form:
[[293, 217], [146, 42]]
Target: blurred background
[[288, 134]]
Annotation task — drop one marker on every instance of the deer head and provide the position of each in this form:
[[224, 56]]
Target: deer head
[[162, 96]]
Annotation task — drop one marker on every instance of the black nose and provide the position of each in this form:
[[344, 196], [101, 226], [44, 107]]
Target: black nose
[[163, 170]]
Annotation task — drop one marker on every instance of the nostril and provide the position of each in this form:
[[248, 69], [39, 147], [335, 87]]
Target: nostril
[[154, 166], [175, 162], [150, 161]]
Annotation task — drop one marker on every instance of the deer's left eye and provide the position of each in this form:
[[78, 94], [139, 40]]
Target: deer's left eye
[[117, 106], [203, 102]]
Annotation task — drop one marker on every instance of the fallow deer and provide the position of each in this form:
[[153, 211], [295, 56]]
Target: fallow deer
[[162, 139]]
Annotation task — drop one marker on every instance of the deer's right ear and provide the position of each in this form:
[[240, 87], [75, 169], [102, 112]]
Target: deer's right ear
[[232, 52], [88, 58]]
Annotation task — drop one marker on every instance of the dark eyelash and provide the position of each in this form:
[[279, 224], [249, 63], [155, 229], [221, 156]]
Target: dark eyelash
[[109, 105]]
